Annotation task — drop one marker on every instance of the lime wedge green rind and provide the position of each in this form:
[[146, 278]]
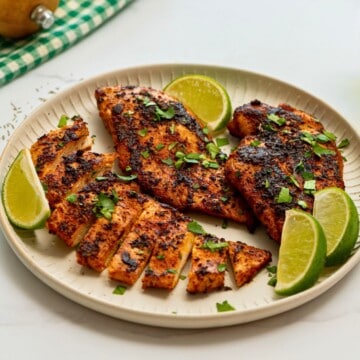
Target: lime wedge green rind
[[23, 197], [338, 216], [302, 253]]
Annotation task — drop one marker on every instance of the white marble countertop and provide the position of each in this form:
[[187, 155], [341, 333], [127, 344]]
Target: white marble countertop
[[314, 45]]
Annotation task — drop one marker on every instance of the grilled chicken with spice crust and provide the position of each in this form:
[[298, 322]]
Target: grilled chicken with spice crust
[[208, 264], [73, 216], [171, 249], [162, 142], [136, 248], [124, 205], [160, 239], [73, 172], [246, 261], [283, 157], [48, 150], [115, 226]]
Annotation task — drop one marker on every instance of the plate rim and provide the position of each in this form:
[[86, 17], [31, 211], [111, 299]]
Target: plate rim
[[281, 305]]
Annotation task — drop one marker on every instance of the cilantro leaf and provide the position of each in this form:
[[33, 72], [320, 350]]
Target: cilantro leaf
[[319, 150], [127, 177], [344, 143], [119, 290], [104, 206], [63, 121], [195, 228], [213, 245], [224, 306], [284, 196], [280, 121]]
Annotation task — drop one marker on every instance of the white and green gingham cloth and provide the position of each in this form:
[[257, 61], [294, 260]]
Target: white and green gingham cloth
[[74, 19]]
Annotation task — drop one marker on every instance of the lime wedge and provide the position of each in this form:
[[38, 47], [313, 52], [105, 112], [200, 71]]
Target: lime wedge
[[205, 97], [23, 195], [302, 253], [338, 216]]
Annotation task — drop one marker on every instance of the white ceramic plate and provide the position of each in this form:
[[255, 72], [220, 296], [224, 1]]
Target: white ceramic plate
[[55, 264]]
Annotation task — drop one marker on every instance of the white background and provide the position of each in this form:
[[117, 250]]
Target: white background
[[313, 44]]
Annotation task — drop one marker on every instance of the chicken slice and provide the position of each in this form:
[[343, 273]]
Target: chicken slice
[[47, 152], [75, 171], [136, 248], [73, 217], [208, 264], [246, 261], [171, 250], [106, 233]]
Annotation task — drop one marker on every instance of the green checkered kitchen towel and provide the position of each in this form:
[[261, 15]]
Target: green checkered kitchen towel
[[73, 21]]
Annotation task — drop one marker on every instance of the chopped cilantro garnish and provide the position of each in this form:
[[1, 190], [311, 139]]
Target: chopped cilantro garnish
[[284, 196], [309, 186], [171, 271], [167, 161], [193, 158], [272, 270], [323, 138], [280, 121], [344, 143], [172, 129], [314, 142], [71, 198], [319, 150], [146, 101], [272, 281], [303, 204], [308, 138], [63, 121], [255, 143], [104, 205], [178, 163], [267, 127], [221, 267], [127, 177], [159, 113], [329, 135], [145, 154], [222, 141], [195, 228], [159, 147], [224, 306], [210, 164], [164, 114], [172, 145], [143, 132], [293, 180], [214, 246], [119, 290], [212, 149], [307, 175]]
